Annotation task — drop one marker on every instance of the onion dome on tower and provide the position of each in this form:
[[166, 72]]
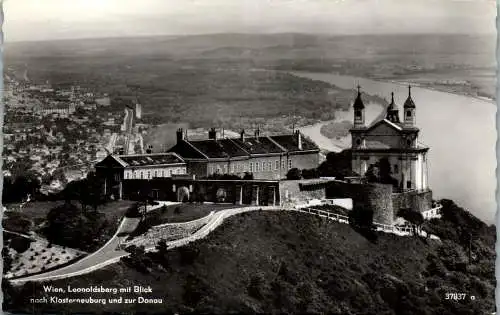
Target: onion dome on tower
[[409, 110], [359, 110], [392, 111]]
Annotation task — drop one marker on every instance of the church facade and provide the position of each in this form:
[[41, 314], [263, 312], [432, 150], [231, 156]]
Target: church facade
[[390, 147]]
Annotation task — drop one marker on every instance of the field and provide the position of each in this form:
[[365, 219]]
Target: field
[[296, 263]]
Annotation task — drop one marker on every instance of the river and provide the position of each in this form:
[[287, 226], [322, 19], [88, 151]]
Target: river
[[459, 130]]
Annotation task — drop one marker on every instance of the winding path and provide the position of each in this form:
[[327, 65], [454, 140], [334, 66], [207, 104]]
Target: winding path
[[110, 252]]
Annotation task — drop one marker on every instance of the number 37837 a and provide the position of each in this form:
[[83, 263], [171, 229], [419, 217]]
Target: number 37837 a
[[456, 296]]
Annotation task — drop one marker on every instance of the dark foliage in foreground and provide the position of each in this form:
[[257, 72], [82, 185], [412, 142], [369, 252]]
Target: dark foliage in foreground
[[265, 262], [69, 225]]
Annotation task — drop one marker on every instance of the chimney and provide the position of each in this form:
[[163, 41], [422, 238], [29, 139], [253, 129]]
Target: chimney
[[242, 135], [180, 135], [212, 134], [299, 139]]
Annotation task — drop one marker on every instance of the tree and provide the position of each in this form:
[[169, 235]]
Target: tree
[[294, 174], [248, 176], [144, 198], [337, 165], [310, 173], [414, 217], [94, 191]]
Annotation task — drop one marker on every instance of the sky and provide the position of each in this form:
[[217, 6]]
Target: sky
[[27, 20]]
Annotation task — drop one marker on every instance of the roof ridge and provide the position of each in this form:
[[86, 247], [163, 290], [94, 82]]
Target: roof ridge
[[235, 143], [276, 143], [195, 148], [119, 160]]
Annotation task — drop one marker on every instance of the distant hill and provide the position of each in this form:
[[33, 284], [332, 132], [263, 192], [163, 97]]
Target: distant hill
[[291, 263], [202, 79]]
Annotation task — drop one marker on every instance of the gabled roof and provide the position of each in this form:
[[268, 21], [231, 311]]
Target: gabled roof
[[289, 142], [220, 148], [138, 160], [396, 126], [151, 159], [236, 147], [258, 145], [187, 151]]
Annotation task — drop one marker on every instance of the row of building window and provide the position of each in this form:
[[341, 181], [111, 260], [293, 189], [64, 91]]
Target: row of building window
[[152, 174], [252, 167]]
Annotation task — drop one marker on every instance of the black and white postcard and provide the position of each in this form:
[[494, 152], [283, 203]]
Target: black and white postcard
[[249, 157]]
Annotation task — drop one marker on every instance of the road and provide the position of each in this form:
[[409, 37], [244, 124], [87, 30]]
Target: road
[[109, 253], [105, 255]]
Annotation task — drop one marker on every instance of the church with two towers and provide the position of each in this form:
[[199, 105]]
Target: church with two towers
[[390, 145]]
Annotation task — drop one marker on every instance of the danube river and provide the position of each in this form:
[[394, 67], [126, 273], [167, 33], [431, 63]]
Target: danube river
[[459, 130]]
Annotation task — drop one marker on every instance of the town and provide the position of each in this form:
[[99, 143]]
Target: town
[[57, 134]]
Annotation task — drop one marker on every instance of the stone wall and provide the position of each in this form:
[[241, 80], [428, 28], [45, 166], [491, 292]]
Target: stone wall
[[419, 201], [377, 197], [304, 160], [293, 192]]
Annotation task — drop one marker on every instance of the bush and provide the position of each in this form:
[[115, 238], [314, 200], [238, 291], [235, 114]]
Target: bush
[[310, 173], [20, 244], [294, 174], [255, 287], [188, 254], [248, 176]]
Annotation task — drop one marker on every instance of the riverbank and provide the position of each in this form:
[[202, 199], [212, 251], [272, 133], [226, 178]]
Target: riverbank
[[460, 132], [340, 125]]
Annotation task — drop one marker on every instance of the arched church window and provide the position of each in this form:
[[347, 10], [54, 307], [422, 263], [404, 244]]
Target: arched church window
[[357, 114], [358, 141], [408, 113], [408, 142]]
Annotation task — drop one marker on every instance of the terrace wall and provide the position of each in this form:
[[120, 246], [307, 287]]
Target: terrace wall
[[294, 192]]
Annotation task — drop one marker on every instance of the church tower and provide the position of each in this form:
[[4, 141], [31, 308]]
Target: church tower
[[359, 111], [409, 110], [392, 111]]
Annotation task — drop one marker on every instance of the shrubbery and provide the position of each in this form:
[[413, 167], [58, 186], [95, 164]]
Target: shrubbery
[[20, 244], [294, 174], [68, 225]]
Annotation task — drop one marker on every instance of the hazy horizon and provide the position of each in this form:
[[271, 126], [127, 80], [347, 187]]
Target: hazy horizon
[[32, 20], [249, 34]]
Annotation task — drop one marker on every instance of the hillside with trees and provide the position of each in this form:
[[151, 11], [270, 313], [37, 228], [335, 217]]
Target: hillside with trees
[[279, 262]]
